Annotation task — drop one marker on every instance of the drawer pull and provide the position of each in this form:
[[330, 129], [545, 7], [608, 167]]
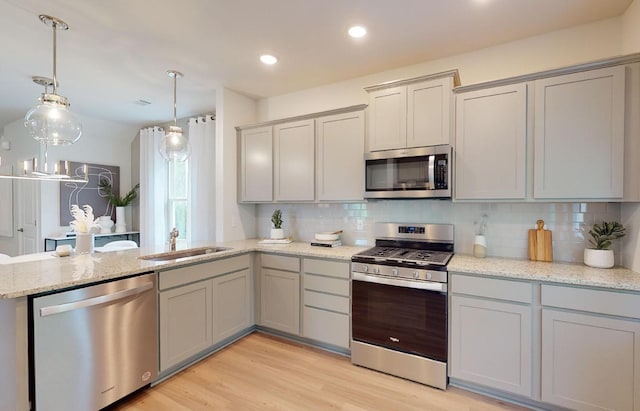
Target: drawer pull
[[394, 339]]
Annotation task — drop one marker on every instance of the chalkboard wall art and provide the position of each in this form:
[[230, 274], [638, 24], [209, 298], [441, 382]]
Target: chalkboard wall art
[[88, 193]]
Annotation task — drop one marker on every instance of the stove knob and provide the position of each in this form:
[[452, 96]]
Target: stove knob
[[376, 270], [394, 272], [365, 268], [428, 276], [416, 275]]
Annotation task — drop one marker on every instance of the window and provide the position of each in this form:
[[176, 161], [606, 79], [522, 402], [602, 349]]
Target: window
[[179, 198]]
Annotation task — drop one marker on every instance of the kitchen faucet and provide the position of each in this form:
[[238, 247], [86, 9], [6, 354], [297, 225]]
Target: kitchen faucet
[[172, 238]]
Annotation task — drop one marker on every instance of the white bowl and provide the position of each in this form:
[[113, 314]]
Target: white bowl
[[327, 236]]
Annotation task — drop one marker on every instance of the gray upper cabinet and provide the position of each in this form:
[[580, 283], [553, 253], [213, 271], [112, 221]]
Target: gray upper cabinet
[[411, 113], [579, 135], [256, 165], [294, 160], [339, 157], [491, 143], [315, 157]]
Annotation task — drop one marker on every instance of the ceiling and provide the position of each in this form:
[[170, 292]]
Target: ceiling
[[117, 52]]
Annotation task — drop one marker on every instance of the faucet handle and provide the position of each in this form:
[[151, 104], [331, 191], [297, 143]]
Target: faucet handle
[[174, 233]]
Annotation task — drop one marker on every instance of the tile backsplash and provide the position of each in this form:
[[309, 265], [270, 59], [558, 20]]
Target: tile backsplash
[[506, 229]]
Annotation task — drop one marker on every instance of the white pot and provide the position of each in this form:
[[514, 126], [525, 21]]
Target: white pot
[[598, 258], [121, 223], [277, 233], [105, 224]]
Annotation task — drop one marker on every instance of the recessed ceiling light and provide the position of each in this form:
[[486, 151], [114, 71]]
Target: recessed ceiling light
[[268, 59], [357, 31]]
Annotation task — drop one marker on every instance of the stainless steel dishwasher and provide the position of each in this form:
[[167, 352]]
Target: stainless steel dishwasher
[[92, 346]]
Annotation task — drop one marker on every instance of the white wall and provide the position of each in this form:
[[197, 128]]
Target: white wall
[[234, 221], [557, 49], [102, 142]]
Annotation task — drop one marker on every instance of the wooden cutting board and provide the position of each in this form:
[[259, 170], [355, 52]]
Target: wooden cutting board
[[540, 243]]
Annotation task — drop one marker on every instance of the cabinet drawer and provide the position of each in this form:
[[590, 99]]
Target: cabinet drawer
[[280, 262], [198, 272], [326, 326], [326, 301], [328, 268], [326, 284], [492, 288], [582, 299]]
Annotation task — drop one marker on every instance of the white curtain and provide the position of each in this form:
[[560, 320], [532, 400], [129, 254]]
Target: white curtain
[[202, 133], [153, 189]]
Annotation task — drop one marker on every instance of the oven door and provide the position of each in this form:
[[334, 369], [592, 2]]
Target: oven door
[[396, 316]]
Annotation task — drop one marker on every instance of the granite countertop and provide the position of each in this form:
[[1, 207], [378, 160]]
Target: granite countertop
[[619, 278], [42, 272]]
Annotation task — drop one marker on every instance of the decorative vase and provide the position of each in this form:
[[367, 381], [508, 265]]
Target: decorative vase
[[105, 224], [121, 223], [480, 246], [598, 258], [277, 233], [84, 243]]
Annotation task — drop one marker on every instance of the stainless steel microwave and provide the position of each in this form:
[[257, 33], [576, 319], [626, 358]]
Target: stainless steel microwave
[[423, 172]]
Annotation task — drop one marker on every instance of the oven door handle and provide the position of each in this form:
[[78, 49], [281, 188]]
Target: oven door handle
[[398, 282]]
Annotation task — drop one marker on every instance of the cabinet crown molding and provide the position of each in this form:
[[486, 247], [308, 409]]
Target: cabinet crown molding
[[304, 117], [403, 82]]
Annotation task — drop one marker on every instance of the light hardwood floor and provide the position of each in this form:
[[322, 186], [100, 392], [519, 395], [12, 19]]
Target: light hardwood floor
[[261, 372]]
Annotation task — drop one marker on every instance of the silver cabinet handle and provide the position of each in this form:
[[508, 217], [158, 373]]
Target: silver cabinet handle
[[432, 174], [89, 302]]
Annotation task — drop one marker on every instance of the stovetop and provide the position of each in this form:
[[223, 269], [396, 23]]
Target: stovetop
[[380, 254]]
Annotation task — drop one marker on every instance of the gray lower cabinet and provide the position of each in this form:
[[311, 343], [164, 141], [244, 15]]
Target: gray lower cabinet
[[590, 349], [326, 304], [491, 333], [185, 322], [201, 305], [280, 293]]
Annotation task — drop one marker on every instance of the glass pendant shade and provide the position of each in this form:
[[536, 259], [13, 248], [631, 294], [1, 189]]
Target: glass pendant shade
[[51, 122], [175, 145]]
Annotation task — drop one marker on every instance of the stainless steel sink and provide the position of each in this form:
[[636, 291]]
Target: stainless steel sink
[[180, 254]]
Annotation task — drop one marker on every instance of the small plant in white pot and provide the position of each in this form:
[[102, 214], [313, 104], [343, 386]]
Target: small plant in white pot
[[600, 254], [277, 232]]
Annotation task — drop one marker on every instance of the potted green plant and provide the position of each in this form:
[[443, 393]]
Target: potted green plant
[[277, 232], [119, 202], [600, 254]]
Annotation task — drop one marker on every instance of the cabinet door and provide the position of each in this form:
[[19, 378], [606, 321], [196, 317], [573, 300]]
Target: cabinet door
[[387, 119], [429, 112], [590, 362], [491, 142], [185, 322], [256, 165], [579, 135], [491, 344], [326, 326], [340, 157], [280, 300], [232, 304], [294, 161]]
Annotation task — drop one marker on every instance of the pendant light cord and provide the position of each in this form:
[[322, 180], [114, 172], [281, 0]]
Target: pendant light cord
[[175, 80], [54, 26]]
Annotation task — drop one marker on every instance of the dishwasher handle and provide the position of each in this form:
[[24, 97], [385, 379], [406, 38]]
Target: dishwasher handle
[[90, 302]]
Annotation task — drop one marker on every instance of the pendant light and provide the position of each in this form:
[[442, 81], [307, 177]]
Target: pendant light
[[51, 122], [175, 145]]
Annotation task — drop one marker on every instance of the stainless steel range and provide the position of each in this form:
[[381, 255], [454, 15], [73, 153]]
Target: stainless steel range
[[399, 302]]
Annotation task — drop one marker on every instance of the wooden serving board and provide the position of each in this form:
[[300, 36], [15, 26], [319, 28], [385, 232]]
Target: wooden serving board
[[540, 243]]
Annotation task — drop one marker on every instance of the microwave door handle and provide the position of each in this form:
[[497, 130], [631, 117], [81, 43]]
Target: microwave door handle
[[432, 173]]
